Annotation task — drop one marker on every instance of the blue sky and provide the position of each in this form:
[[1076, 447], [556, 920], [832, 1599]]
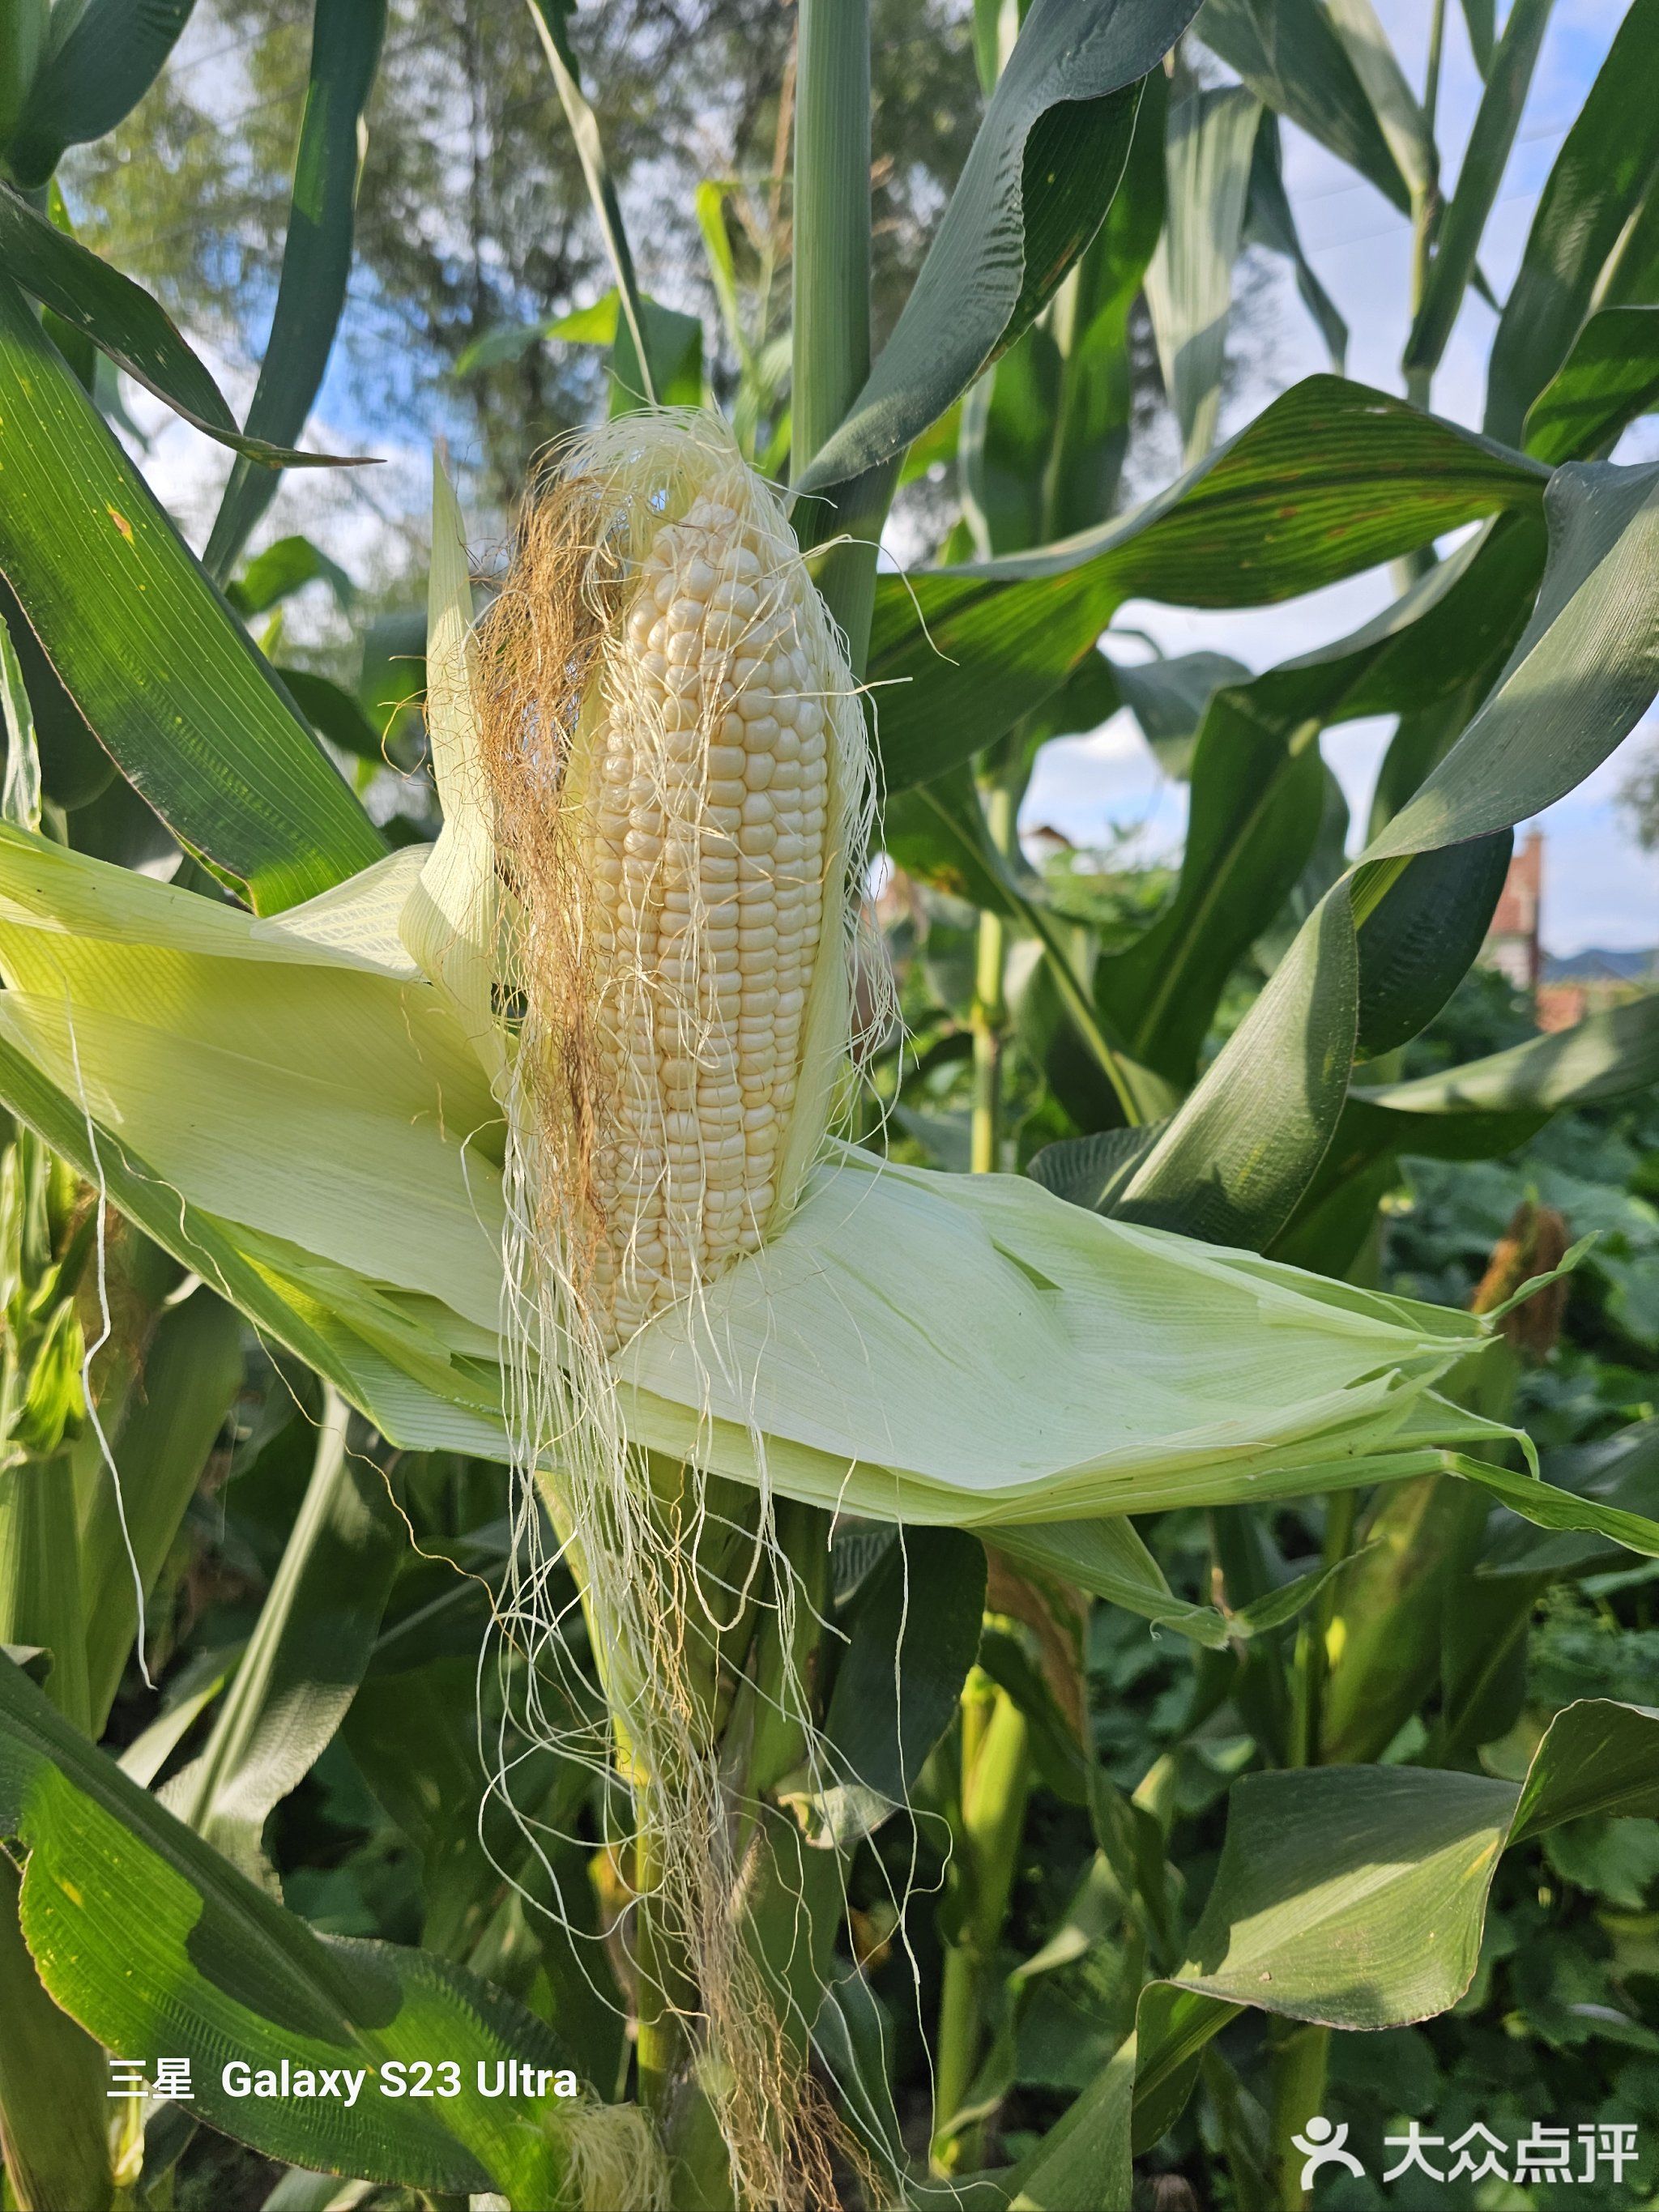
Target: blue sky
[[1600, 889]]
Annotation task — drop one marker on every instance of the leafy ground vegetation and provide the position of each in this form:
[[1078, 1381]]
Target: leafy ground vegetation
[[1190, 1684]]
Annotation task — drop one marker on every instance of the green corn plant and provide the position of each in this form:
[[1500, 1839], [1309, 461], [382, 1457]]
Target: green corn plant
[[345, 1031]]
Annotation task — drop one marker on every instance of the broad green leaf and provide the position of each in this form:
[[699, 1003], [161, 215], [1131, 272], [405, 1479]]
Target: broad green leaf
[[1331, 1878], [1085, 2158], [1090, 318], [154, 1943], [1355, 1896], [1270, 222], [122, 319], [345, 51], [1329, 479], [1580, 677], [1597, 1757], [1091, 1170], [1168, 698], [1230, 1167], [1479, 175], [1610, 376], [168, 679], [1605, 170], [1606, 1055], [1189, 286], [1291, 56], [915, 1624], [1259, 795], [1258, 798], [1108, 1558], [1476, 1111], [1038, 178], [1547, 1507], [305, 1658], [1423, 936], [100, 59]]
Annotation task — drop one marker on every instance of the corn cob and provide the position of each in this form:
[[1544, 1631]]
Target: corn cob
[[680, 792], [684, 873]]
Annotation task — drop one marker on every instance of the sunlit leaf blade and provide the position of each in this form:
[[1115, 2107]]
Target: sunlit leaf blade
[[123, 319], [311, 293], [1610, 376], [1211, 146], [1234, 1161], [168, 680], [1330, 478], [1608, 1055], [1606, 167], [1038, 178], [100, 61], [1581, 675], [1291, 58], [154, 1943]]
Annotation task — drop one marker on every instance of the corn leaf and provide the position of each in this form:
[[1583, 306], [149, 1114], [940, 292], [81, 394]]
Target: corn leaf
[[1270, 222], [154, 1942], [100, 60], [1610, 376], [192, 1372], [122, 319], [1581, 675], [1189, 285], [305, 1658], [1291, 56], [165, 676], [345, 50], [1038, 178], [1606, 170], [1399, 119], [1259, 796], [1479, 175], [915, 1620], [1330, 1876], [1329, 479]]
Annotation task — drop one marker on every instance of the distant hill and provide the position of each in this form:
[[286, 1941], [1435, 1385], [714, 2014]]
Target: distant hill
[[1596, 965]]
